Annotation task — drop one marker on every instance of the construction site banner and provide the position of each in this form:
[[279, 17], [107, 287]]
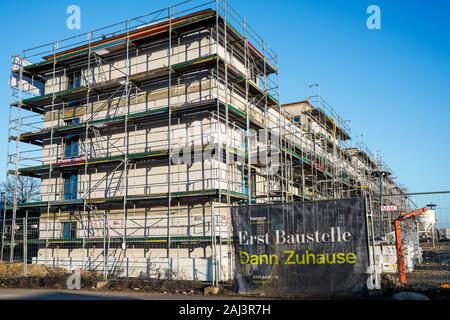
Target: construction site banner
[[301, 248]]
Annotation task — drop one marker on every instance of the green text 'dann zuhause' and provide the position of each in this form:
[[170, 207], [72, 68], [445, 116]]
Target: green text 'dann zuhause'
[[290, 257]]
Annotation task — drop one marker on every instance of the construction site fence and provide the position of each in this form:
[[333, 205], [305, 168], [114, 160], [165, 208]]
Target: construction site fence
[[426, 239], [180, 247]]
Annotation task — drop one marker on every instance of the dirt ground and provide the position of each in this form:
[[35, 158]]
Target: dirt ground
[[43, 277], [51, 294], [434, 271]]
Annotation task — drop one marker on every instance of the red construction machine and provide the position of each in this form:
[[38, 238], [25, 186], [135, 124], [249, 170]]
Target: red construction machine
[[398, 240]]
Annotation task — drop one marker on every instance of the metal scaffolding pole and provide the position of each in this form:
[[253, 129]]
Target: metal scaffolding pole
[[126, 142], [7, 175], [17, 161], [247, 120], [87, 148], [169, 104]]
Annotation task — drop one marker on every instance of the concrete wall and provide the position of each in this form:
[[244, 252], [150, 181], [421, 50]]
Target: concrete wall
[[178, 268]]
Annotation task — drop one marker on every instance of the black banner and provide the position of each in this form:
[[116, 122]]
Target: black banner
[[307, 248]]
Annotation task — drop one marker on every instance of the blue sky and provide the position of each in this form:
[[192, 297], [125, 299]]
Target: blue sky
[[393, 84]]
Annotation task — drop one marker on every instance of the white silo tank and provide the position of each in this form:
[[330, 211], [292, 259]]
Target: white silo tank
[[427, 220]]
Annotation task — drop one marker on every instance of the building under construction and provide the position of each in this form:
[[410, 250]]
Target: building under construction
[[143, 134]]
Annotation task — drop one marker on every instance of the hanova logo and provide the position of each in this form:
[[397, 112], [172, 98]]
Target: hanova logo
[[258, 219]]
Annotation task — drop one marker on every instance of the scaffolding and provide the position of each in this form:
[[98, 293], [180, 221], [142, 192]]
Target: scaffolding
[[156, 116]]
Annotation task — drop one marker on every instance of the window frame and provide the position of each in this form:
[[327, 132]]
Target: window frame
[[72, 230], [71, 183]]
